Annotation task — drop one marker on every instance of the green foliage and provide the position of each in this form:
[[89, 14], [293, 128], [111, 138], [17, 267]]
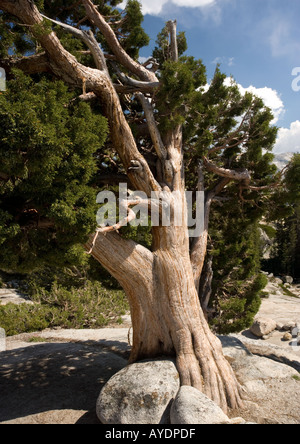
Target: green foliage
[[237, 282], [287, 292], [269, 230], [48, 164], [178, 92], [13, 38], [135, 37], [162, 52], [42, 29], [90, 306], [236, 310], [292, 179], [16, 319]]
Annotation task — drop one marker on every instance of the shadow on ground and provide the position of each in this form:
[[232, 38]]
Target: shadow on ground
[[56, 383]]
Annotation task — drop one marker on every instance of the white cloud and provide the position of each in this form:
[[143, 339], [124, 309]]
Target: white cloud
[[281, 38], [229, 61], [155, 7], [270, 97], [143, 59], [288, 140]]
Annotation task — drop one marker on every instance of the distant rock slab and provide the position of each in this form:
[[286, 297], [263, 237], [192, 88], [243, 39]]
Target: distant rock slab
[[141, 393], [10, 296]]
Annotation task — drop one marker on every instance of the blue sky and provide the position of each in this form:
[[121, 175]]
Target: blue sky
[[256, 41]]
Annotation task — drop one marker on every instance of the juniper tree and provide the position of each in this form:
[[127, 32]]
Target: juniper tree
[[163, 120]]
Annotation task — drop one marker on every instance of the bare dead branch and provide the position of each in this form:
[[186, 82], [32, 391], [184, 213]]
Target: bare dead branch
[[172, 27], [153, 129], [212, 194], [89, 39], [135, 85], [126, 204], [120, 89], [154, 64], [98, 20], [206, 286], [234, 135]]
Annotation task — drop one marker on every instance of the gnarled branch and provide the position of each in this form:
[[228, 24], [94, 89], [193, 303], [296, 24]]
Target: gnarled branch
[[136, 85], [154, 132], [89, 39], [243, 175], [98, 20]]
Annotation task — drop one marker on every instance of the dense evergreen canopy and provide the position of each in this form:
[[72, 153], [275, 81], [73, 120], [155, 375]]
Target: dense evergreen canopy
[[285, 255], [48, 150]]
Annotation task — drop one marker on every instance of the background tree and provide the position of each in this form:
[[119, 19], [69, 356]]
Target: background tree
[[160, 121], [285, 255]]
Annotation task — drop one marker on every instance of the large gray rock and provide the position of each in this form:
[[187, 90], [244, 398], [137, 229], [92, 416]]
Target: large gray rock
[[141, 393], [263, 327], [193, 407]]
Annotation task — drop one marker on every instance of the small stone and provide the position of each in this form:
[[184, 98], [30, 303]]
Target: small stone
[[287, 337]]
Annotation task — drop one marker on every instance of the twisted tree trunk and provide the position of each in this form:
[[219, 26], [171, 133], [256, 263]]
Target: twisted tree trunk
[[165, 309]]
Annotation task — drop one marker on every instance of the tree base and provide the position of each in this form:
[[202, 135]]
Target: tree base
[[201, 364]]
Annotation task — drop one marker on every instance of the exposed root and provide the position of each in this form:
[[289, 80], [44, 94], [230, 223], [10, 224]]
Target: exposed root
[[201, 364]]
